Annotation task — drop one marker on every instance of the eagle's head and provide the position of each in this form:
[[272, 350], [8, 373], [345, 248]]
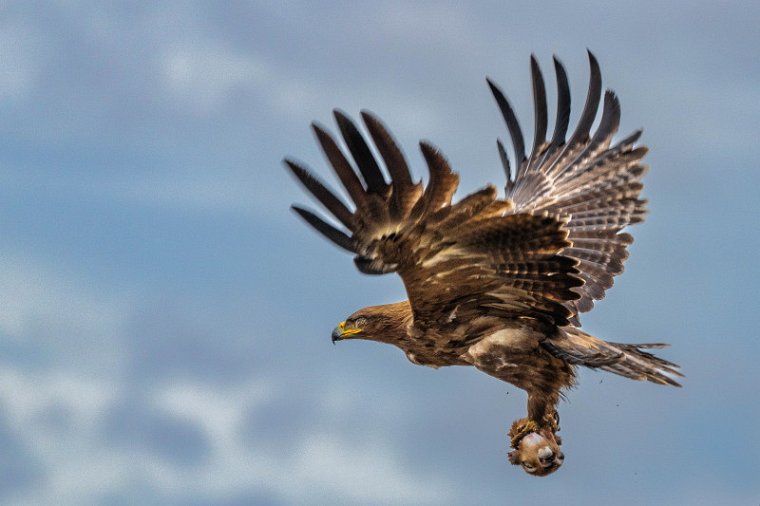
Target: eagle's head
[[538, 453], [386, 323], [350, 327]]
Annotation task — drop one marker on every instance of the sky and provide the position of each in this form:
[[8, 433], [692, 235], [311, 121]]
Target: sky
[[165, 318]]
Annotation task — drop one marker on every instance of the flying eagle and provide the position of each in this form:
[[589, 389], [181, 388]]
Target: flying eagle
[[497, 283]]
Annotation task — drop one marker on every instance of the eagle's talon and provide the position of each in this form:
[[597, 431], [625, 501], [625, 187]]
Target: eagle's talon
[[552, 421]]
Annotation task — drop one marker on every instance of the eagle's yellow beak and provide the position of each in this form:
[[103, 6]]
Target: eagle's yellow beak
[[341, 332]]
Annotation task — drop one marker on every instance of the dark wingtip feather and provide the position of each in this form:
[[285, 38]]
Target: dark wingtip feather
[[592, 101], [631, 139], [389, 149], [322, 134], [333, 234], [433, 156], [326, 197], [363, 157], [340, 165], [513, 126], [401, 179], [443, 181], [505, 163], [591, 56], [563, 104], [610, 121], [596, 73], [539, 106]]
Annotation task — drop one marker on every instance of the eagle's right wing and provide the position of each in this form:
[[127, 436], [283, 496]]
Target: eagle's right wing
[[459, 260]]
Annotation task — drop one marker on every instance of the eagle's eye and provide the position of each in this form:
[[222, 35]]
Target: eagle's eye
[[528, 467]]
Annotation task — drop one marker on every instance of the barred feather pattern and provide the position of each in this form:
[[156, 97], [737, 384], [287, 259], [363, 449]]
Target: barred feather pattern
[[593, 184], [496, 283], [475, 254], [629, 360]]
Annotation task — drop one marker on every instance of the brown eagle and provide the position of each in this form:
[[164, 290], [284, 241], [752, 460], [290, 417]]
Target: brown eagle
[[497, 283]]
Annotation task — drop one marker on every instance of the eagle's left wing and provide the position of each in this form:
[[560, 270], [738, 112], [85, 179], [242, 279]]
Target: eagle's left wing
[[472, 256], [585, 178]]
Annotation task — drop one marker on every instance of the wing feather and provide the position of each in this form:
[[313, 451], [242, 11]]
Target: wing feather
[[513, 126], [333, 234], [474, 254], [341, 166], [442, 185], [540, 121], [547, 251], [595, 185], [562, 121], [321, 193], [361, 153]]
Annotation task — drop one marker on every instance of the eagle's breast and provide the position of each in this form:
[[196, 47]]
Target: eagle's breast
[[517, 339], [513, 353]]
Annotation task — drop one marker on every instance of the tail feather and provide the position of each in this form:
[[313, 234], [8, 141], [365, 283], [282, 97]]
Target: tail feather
[[628, 360], [641, 365]]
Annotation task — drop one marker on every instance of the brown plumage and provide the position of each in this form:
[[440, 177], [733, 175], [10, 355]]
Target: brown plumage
[[497, 283]]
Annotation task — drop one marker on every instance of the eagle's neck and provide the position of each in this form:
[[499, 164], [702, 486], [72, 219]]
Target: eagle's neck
[[393, 327]]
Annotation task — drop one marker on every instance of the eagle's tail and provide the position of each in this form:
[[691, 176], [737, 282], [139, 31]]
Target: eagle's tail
[[629, 360]]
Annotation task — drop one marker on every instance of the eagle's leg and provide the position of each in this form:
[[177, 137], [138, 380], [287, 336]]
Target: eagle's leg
[[542, 409]]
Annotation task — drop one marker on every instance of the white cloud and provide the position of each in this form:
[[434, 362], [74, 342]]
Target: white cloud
[[81, 469], [55, 415], [35, 295], [360, 474], [52, 316], [205, 77], [27, 395], [322, 461], [18, 68]]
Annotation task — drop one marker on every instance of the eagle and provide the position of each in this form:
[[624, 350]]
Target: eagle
[[497, 283]]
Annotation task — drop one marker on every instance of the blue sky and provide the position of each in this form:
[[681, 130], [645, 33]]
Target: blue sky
[[165, 319]]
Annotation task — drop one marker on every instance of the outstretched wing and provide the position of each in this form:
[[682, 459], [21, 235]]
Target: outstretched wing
[[594, 185], [472, 257]]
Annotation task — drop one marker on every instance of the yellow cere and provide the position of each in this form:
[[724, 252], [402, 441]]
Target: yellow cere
[[347, 332]]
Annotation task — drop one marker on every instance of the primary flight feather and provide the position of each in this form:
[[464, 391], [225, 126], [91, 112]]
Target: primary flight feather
[[497, 283]]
